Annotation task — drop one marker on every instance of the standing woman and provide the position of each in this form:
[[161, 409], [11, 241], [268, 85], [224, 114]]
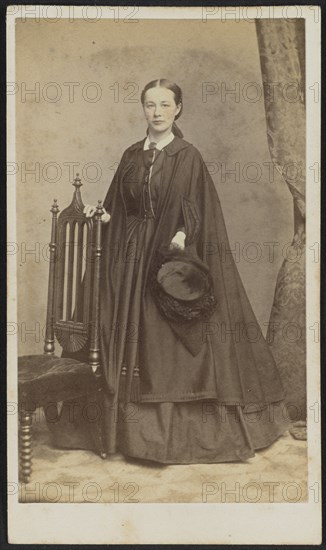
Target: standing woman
[[189, 377]]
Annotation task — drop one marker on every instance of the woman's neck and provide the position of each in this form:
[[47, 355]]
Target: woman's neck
[[158, 136]]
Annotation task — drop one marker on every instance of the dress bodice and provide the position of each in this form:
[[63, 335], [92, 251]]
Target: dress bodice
[[141, 185]]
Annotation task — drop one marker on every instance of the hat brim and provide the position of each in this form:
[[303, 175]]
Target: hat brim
[[183, 280]]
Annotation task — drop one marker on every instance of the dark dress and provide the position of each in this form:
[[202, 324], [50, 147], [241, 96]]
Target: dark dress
[[154, 412]]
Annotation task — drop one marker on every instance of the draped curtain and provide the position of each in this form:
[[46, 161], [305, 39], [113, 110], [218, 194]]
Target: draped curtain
[[282, 57]]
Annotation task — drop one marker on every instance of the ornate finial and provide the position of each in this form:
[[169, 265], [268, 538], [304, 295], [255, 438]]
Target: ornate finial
[[99, 208], [54, 207], [77, 182]]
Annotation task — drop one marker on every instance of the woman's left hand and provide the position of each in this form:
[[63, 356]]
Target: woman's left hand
[[178, 240]]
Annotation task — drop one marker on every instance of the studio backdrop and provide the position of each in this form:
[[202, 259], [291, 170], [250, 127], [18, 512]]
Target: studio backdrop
[[78, 86]]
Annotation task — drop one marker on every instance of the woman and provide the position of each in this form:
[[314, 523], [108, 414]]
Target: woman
[[177, 392]]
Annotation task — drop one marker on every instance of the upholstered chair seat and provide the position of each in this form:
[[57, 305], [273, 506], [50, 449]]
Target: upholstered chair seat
[[44, 379]]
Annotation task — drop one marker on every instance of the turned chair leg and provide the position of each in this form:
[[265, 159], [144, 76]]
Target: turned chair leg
[[25, 448]]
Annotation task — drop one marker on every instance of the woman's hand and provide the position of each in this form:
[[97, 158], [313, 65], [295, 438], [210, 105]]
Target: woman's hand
[[90, 210], [178, 240]]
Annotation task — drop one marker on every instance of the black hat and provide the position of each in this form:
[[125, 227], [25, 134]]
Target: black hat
[[182, 286]]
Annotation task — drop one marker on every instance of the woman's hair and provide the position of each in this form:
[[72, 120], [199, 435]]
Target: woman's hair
[[173, 87]]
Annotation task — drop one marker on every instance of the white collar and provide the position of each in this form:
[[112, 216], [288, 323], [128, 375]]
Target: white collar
[[160, 144]]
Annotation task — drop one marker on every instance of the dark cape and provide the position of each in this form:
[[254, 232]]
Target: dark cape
[[245, 372]]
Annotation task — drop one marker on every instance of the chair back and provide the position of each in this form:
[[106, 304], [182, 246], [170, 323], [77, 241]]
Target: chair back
[[74, 278]]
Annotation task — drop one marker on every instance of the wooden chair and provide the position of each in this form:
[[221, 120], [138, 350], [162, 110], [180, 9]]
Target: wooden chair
[[73, 318]]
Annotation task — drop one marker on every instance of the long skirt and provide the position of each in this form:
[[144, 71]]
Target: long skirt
[[196, 431]]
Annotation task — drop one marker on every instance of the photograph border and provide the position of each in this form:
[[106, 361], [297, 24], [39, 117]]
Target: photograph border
[[158, 523]]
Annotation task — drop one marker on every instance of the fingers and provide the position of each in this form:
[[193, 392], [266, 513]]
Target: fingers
[[178, 240], [176, 245], [106, 217], [89, 210]]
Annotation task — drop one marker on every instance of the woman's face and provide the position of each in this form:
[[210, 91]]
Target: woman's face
[[160, 109]]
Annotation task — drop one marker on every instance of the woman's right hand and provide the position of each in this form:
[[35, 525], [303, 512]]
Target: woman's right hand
[[90, 210]]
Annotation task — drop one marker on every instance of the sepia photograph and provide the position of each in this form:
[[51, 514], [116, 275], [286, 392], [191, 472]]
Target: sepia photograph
[[163, 274]]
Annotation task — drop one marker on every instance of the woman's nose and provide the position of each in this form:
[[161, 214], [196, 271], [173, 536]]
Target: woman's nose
[[157, 111]]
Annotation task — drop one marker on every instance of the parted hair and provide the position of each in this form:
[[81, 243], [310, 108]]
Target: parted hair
[[177, 92]]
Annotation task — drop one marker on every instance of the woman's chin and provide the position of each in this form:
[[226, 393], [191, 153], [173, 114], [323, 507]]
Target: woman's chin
[[158, 128]]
